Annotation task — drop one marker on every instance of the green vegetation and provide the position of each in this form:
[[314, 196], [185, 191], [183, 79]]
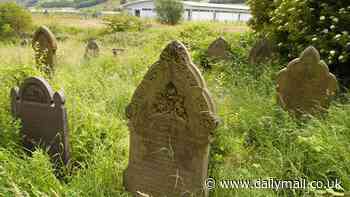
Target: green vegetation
[[294, 25], [123, 23], [68, 3], [169, 11], [14, 21], [256, 139]]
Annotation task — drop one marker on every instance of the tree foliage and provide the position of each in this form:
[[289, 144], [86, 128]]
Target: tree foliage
[[123, 23], [169, 11], [14, 20], [295, 24]]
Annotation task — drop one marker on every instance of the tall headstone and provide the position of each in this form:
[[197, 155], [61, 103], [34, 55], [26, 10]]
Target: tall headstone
[[171, 120], [45, 46], [92, 49], [262, 52], [305, 86], [219, 50], [43, 116]]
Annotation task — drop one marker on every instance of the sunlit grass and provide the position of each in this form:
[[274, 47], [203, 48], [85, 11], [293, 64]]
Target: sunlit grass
[[256, 139]]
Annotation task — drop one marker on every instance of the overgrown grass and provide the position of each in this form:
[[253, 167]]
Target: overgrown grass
[[256, 139]]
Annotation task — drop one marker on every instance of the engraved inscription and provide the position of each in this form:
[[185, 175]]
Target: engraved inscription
[[34, 93]]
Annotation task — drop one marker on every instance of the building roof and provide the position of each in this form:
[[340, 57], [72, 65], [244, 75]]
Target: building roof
[[198, 4], [216, 5], [134, 2]]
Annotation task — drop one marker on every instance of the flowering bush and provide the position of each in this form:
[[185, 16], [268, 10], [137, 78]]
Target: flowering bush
[[295, 24]]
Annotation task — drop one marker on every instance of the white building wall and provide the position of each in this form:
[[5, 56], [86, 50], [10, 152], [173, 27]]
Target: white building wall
[[245, 17], [225, 16], [148, 13], [144, 8], [147, 10], [202, 16]]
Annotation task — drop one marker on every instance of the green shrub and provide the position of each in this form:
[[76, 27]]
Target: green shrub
[[169, 11], [295, 24], [260, 11], [123, 23], [14, 20], [190, 33]]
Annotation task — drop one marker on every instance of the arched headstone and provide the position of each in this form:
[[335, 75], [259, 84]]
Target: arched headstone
[[171, 120], [219, 50], [45, 46], [306, 85], [43, 116], [92, 49], [262, 52]]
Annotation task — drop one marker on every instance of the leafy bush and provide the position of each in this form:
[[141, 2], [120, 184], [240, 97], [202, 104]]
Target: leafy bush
[[169, 11], [14, 20], [296, 24], [260, 11], [123, 23], [190, 33]]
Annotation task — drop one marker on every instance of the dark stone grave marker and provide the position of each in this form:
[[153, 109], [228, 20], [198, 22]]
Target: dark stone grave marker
[[43, 116]]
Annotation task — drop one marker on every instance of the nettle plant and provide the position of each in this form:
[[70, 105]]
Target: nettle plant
[[296, 24]]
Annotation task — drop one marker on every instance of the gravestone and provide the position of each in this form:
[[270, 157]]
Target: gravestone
[[116, 51], [45, 46], [24, 42], [43, 116], [171, 119], [262, 52], [305, 86], [92, 49], [219, 50]]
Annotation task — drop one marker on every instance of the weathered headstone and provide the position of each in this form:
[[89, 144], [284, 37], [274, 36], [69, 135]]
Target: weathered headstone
[[92, 49], [24, 42], [116, 51], [171, 119], [262, 52], [43, 116], [45, 45], [219, 50], [306, 85]]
